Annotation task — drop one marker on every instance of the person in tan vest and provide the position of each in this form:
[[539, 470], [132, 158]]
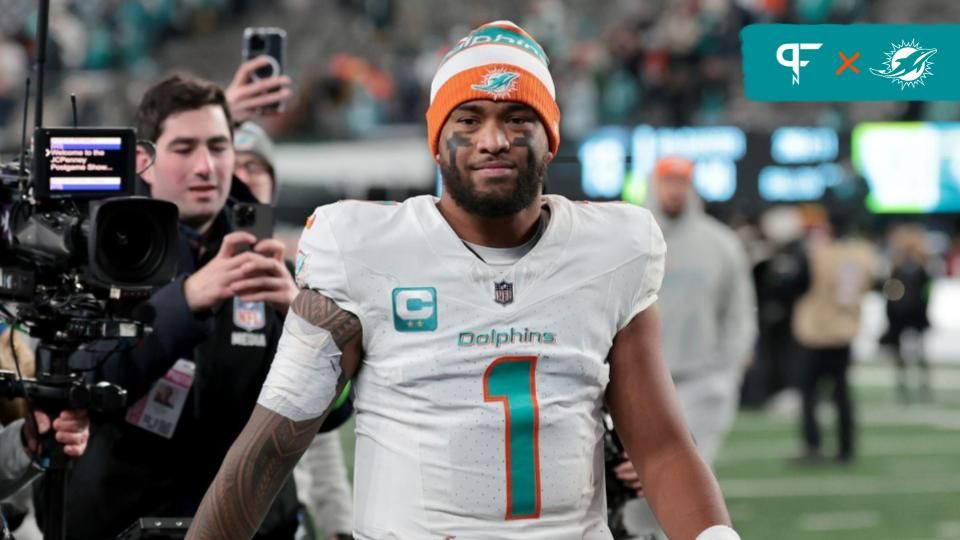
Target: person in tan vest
[[825, 322]]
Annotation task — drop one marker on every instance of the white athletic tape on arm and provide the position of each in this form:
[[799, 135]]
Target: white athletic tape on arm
[[302, 381], [719, 532]]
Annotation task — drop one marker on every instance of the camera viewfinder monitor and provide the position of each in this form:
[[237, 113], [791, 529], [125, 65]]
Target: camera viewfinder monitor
[[84, 163]]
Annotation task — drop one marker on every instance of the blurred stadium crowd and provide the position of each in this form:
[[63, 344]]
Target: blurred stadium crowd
[[361, 65], [362, 69]]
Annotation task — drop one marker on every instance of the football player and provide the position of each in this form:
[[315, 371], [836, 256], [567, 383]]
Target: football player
[[484, 329]]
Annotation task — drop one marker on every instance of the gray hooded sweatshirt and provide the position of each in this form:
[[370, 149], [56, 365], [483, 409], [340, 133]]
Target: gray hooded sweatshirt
[[707, 302], [707, 310]]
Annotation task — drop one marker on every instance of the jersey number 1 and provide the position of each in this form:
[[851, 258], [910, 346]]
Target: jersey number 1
[[511, 380]]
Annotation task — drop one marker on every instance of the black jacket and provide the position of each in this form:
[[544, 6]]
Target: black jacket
[[128, 472], [908, 309]]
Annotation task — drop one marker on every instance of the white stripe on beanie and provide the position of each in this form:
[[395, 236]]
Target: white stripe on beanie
[[485, 54]]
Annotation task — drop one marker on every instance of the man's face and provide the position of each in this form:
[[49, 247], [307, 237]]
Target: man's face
[[253, 171], [673, 192], [194, 164], [493, 156]]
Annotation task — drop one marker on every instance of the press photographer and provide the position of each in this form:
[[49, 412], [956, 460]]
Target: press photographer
[[196, 377]]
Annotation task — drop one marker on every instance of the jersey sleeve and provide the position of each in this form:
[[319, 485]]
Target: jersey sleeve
[[320, 262], [643, 275]]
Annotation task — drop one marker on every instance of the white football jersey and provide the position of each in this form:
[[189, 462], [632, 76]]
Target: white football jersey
[[478, 400]]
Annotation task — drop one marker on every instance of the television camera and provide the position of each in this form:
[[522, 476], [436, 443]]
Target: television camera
[[79, 255]]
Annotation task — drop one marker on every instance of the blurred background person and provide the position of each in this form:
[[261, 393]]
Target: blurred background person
[[907, 294], [321, 474], [780, 277], [825, 322], [255, 161], [322, 488], [708, 309], [952, 258]]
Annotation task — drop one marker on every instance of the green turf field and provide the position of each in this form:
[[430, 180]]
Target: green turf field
[[905, 484]]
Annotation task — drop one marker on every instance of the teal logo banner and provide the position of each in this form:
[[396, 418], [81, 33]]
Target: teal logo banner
[[858, 62]]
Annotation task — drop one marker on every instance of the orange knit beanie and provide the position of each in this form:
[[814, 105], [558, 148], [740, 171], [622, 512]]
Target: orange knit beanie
[[500, 62]]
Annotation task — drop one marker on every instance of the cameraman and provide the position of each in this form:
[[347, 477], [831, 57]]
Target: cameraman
[[215, 332]]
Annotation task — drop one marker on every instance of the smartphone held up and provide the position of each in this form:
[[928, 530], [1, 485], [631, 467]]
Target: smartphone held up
[[254, 218], [270, 43]]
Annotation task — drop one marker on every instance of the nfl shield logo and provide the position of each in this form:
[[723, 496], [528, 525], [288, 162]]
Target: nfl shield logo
[[248, 315], [503, 292]]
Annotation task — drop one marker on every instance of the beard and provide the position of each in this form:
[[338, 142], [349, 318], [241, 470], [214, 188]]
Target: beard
[[529, 186], [672, 213]]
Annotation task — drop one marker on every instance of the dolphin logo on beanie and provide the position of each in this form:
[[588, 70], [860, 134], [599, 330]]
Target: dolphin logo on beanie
[[497, 61], [498, 83]]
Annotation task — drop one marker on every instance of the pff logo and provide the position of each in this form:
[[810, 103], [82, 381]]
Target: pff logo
[[415, 309], [794, 62]]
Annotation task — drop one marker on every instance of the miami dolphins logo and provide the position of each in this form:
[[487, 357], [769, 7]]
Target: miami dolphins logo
[[499, 83], [907, 64]]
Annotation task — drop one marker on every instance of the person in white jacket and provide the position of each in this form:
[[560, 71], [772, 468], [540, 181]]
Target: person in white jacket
[[322, 485], [708, 309]]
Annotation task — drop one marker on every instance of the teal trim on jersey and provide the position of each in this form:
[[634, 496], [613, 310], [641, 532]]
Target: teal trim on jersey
[[415, 309], [300, 264], [511, 379]]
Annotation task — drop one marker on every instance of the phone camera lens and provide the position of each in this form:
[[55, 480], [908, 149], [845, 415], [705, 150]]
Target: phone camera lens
[[245, 216]]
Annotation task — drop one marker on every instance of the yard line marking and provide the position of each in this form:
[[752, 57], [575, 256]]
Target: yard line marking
[[948, 529], [838, 521], [871, 446], [788, 487]]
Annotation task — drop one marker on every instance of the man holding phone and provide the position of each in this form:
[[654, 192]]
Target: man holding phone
[[215, 332]]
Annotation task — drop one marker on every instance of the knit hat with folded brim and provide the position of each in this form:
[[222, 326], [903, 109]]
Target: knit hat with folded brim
[[497, 61], [250, 137]]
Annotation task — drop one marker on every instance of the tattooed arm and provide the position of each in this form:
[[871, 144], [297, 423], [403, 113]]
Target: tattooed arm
[[263, 455]]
